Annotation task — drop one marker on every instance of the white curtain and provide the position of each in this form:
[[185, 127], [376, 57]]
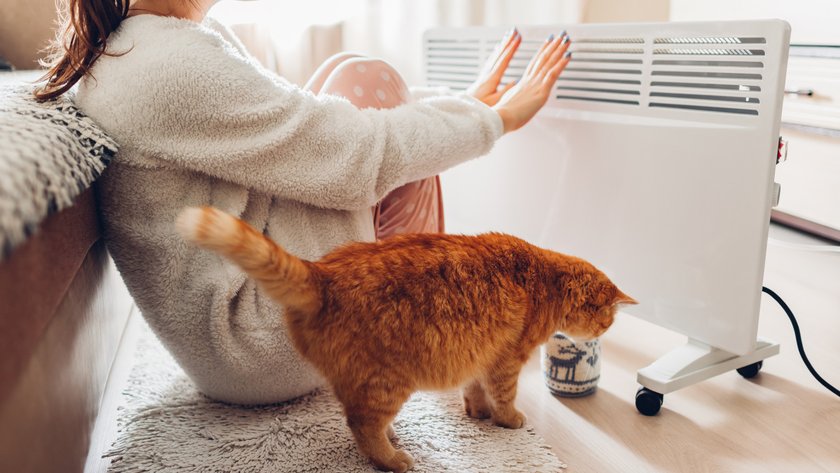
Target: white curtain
[[294, 38]]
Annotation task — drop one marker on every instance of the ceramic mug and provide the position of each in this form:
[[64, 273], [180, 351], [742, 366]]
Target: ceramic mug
[[571, 369]]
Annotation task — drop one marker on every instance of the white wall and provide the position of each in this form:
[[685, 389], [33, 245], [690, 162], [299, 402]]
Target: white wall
[[812, 21], [610, 11]]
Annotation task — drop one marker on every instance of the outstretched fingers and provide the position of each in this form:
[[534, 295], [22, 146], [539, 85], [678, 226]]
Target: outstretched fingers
[[534, 60], [557, 69], [506, 47], [487, 88], [544, 54], [503, 61], [551, 55], [522, 102], [555, 63]]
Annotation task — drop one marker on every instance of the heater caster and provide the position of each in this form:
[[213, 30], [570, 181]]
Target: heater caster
[[648, 402], [750, 371]]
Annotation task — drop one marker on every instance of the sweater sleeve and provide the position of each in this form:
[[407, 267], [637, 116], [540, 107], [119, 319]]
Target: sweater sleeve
[[421, 92], [219, 114]]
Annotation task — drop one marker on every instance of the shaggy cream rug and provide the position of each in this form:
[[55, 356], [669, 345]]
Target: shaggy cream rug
[[167, 426]]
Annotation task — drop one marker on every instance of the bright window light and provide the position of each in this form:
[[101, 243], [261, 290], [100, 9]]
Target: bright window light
[[284, 15]]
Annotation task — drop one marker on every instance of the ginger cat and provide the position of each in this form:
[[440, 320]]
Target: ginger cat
[[418, 312]]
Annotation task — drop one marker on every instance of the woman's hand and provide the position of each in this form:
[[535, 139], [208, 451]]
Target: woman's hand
[[519, 104], [486, 87]]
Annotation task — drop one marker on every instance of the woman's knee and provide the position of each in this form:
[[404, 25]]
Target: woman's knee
[[336, 60], [368, 82], [316, 83]]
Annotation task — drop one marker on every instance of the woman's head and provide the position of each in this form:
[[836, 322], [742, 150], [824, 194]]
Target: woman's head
[[81, 39], [83, 34]]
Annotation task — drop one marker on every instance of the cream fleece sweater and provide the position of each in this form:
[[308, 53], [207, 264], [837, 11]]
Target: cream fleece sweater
[[199, 122]]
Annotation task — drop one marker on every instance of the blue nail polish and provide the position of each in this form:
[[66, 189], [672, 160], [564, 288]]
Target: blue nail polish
[[551, 37], [568, 54], [565, 40]]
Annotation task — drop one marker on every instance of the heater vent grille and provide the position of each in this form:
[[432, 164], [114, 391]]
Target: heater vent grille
[[708, 52], [610, 40], [689, 74], [710, 40], [605, 70], [454, 63], [717, 81]]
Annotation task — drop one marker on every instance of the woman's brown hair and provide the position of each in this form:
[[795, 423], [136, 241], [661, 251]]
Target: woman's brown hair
[[81, 40]]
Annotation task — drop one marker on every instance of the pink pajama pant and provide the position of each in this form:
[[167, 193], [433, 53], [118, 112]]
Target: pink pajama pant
[[372, 83]]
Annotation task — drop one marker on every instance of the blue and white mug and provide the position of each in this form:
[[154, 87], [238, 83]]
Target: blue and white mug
[[571, 369]]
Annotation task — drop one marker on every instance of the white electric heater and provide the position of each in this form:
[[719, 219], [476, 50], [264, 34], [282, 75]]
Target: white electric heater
[[653, 159]]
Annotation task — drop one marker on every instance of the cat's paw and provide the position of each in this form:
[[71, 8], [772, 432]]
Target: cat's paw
[[478, 413], [399, 463], [476, 410], [390, 432], [514, 420]]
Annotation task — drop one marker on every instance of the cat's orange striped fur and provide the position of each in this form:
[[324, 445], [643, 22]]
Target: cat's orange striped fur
[[418, 312]]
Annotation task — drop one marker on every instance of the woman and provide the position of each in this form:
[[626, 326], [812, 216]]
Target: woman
[[199, 122]]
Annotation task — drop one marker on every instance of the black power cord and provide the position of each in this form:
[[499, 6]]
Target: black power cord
[[799, 341]]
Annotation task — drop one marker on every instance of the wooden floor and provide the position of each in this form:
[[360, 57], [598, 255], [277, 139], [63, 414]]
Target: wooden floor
[[780, 421]]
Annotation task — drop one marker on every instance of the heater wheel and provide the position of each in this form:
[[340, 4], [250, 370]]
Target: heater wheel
[[648, 402], [750, 371]]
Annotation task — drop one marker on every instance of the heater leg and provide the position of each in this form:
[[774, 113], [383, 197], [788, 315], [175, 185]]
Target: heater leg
[[750, 371], [691, 363], [648, 402]]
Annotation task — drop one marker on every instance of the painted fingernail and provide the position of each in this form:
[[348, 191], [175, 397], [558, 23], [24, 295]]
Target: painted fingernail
[[565, 40], [550, 37], [568, 55]]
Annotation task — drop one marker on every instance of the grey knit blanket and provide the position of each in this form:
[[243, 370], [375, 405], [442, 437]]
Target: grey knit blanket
[[49, 154]]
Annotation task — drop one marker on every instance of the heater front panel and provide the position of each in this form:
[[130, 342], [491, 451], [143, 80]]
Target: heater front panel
[[654, 159]]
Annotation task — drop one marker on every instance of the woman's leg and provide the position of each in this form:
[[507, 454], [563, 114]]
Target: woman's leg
[[373, 83], [316, 82], [416, 207]]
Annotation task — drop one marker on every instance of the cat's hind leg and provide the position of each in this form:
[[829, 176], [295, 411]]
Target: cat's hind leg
[[501, 385], [369, 415], [475, 401]]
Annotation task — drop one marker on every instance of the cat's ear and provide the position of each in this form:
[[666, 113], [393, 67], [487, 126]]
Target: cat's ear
[[622, 298]]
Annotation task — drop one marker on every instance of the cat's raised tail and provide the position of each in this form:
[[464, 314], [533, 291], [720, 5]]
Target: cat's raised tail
[[286, 278]]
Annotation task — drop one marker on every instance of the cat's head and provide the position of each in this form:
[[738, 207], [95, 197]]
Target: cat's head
[[590, 302]]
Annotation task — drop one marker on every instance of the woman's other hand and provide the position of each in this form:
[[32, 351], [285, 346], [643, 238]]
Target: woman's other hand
[[519, 104], [486, 87]]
